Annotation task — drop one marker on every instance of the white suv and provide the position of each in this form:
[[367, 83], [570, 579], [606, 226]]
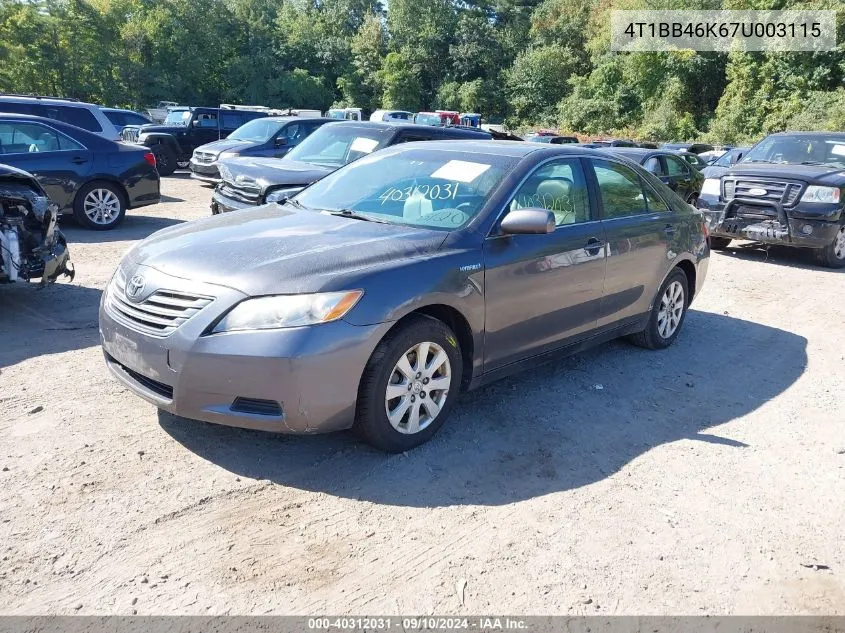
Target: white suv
[[85, 115]]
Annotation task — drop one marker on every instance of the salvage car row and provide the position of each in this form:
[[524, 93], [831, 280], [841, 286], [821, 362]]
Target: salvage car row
[[390, 266]]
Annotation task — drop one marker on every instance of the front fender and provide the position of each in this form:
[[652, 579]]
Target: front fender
[[168, 140]]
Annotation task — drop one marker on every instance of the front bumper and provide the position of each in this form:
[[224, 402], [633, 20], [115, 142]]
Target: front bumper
[[205, 172], [224, 204], [778, 229], [310, 374]]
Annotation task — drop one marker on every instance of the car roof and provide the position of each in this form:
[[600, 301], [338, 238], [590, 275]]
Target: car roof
[[104, 109], [50, 100], [640, 152], [402, 125], [837, 135], [497, 148], [297, 118]]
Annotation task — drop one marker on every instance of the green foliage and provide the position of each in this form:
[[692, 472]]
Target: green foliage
[[532, 62]]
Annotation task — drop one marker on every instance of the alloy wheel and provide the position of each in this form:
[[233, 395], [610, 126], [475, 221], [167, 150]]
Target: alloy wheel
[[102, 206], [671, 310], [418, 387]]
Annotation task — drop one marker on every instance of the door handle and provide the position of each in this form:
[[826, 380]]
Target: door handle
[[669, 229], [593, 245], [78, 160]]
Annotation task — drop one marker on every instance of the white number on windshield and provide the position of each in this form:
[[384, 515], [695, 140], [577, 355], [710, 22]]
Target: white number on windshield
[[448, 191]]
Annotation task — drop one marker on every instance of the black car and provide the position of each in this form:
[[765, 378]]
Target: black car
[[551, 139], [83, 173], [270, 137], [184, 130], [253, 181], [124, 118], [693, 148], [670, 168], [692, 159], [31, 245], [788, 190]]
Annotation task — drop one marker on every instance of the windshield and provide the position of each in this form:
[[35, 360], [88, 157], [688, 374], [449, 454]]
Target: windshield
[[799, 150], [258, 130], [431, 188], [337, 144], [725, 159], [178, 117], [427, 119]]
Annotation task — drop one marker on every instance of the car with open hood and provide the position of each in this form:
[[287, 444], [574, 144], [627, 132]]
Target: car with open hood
[[31, 245], [248, 182], [378, 294], [788, 190]]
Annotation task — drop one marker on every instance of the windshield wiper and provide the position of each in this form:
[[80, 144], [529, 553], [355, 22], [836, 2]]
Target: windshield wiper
[[349, 213], [813, 162], [758, 160]]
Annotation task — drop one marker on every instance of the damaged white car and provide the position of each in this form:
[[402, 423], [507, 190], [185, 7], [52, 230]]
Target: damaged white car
[[31, 245]]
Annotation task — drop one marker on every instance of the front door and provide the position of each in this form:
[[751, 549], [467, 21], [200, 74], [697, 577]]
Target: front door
[[543, 290], [58, 162], [638, 226]]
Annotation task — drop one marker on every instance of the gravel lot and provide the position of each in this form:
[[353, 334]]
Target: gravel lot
[[706, 479]]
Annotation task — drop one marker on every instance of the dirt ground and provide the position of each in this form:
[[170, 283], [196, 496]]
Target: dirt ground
[[705, 479]]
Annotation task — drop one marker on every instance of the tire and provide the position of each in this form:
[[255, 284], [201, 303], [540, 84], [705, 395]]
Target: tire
[[655, 336], [833, 255], [719, 243], [99, 205], [372, 421], [165, 160]]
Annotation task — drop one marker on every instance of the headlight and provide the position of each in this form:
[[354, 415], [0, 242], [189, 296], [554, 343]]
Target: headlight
[[826, 195], [711, 187], [228, 154], [281, 311], [277, 195]]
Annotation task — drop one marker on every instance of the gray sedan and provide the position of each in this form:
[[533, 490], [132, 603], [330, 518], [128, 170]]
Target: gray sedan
[[376, 295]]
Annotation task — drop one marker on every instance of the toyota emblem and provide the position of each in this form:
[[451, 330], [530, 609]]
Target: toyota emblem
[[135, 287]]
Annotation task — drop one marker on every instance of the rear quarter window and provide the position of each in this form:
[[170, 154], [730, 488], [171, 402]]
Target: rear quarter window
[[80, 117]]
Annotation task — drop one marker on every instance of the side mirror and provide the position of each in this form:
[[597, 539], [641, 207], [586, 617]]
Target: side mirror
[[528, 222], [281, 141]]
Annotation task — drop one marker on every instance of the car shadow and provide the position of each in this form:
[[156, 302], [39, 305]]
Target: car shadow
[[36, 321], [165, 198], [802, 258], [556, 427], [133, 227]]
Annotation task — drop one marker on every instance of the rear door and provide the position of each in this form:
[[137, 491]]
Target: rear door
[[639, 227], [544, 290], [60, 163]]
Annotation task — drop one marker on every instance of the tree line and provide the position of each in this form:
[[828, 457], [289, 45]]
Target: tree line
[[541, 63]]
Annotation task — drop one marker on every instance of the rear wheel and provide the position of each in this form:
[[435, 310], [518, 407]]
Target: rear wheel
[[100, 206], [409, 385], [165, 160], [833, 255], [667, 314], [719, 243]]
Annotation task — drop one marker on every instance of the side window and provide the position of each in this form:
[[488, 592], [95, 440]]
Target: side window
[[621, 190], [17, 108], [675, 167], [652, 165], [558, 186], [410, 138], [80, 117], [293, 133], [24, 138], [229, 121], [208, 120], [654, 201]]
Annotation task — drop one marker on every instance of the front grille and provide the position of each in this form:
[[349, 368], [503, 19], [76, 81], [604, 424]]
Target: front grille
[[163, 390], [130, 134], [158, 315], [777, 191], [205, 157], [249, 195]]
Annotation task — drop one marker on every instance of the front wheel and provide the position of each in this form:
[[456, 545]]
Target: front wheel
[[409, 385], [667, 314], [100, 206], [833, 255], [165, 160]]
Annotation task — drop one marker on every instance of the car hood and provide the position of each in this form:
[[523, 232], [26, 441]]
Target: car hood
[[154, 128], [226, 145], [819, 174], [278, 249], [271, 172]]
